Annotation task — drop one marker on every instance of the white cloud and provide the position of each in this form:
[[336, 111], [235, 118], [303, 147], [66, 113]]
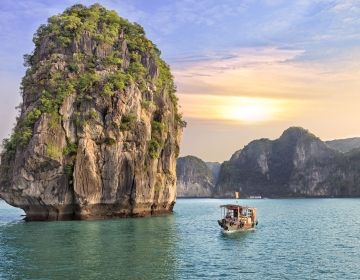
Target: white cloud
[[213, 63]]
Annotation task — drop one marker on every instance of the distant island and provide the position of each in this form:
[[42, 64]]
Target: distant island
[[196, 178], [298, 164], [99, 128]]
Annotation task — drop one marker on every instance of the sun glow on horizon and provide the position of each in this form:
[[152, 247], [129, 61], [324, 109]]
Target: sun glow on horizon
[[252, 110], [247, 110]]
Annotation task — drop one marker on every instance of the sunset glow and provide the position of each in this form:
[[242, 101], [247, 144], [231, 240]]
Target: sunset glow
[[252, 110], [245, 110]]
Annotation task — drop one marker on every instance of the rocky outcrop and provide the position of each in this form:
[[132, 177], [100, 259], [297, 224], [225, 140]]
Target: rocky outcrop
[[215, 169], [344, 145], [194, 178], [298, 164], [98, 132]]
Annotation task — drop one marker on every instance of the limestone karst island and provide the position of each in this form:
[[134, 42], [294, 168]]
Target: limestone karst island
[[179, 139], [99, 129]]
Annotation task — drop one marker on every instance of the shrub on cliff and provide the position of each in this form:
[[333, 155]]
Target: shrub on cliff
[[82, 72]]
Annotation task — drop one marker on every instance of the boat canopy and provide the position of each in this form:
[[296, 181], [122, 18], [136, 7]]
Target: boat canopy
[[233, 206]]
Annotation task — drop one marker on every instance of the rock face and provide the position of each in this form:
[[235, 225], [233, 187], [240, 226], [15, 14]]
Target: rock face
[[98, 132], [194, 178], [344, 145], [215, 169], [298, 164]]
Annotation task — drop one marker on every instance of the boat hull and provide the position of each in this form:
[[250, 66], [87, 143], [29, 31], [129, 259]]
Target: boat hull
[[236, 226]]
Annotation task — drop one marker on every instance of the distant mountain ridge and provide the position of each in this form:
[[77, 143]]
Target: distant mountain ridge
[[194, 177], [297, 164], [344, 145]]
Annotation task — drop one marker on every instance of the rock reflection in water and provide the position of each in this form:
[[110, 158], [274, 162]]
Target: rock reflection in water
[[113, 249]]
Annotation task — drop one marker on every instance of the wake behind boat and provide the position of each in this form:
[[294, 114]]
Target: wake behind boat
[[236, 217]]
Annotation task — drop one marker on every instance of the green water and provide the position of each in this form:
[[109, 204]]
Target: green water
[[295, 239]]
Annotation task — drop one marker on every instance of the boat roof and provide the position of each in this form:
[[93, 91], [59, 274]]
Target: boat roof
[[234, 206]]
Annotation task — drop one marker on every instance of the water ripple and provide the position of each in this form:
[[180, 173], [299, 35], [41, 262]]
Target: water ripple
[[295, 239]]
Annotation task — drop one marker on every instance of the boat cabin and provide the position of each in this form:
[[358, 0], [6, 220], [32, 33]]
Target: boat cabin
[[237, 217], [233, 211]]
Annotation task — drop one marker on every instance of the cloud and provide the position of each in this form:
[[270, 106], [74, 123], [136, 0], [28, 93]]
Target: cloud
[[216, 62], [271, 82], [200, 12], [233, 72], [10, 96], [346, 5]]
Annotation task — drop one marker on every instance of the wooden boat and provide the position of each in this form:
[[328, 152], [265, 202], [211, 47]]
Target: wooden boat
[[237, 218]]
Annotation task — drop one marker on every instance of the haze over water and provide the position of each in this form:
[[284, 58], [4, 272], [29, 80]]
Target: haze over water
[[295, 239]]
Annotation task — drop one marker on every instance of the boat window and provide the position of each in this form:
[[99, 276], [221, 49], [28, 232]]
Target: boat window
[[235, 213], [229, 214]]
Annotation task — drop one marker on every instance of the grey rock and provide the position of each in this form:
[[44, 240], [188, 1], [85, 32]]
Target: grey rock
[[215, 169], [344, 145], [298, 164], [194, 178], [111, 173]]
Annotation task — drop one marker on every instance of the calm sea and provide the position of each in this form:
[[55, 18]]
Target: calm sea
[[295, 239]]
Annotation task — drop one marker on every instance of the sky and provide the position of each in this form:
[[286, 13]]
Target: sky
[[244, 69]]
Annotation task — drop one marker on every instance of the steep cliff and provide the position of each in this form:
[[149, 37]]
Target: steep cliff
[[296, 164], [194, 178], [215, 169], [99, 127]]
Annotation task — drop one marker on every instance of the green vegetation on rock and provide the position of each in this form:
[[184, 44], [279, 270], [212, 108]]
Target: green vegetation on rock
[[53, 150], [98, 99], [69, 169], [156, 141], [154, 148], [127, 122], [70, 149], [109, 141], [53, 74]]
